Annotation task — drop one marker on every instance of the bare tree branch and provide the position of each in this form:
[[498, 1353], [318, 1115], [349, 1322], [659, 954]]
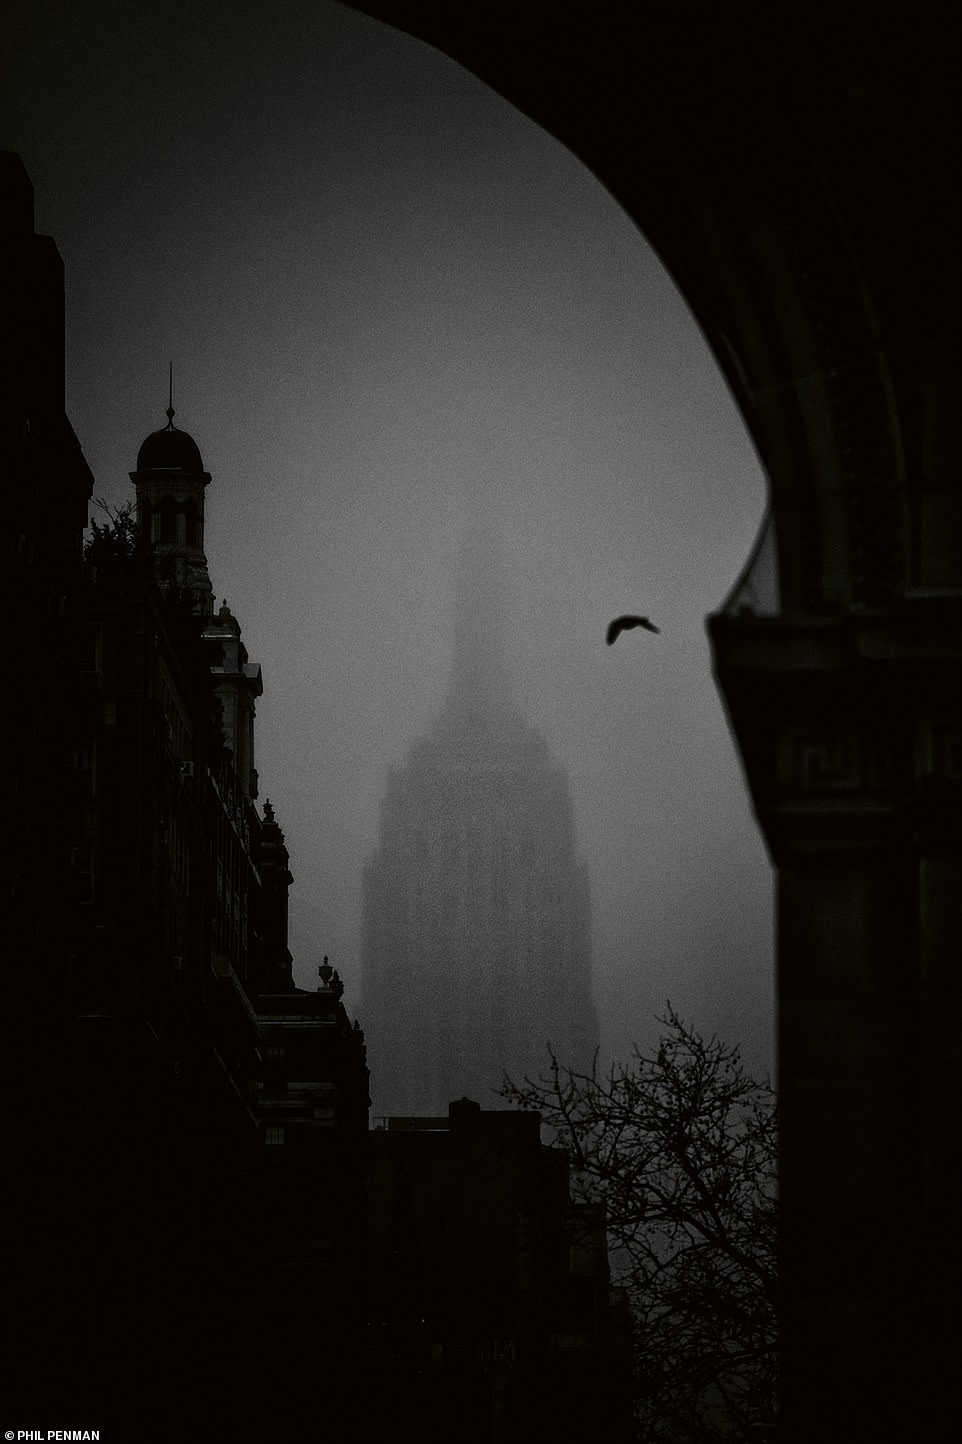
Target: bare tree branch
[[679, 1148]]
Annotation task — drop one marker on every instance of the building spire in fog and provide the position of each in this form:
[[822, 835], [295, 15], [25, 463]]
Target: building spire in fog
[[480, 679], [476, 948]]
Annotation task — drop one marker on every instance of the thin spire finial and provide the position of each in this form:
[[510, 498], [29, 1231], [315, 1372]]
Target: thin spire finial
[[480, 673], [170, 399]]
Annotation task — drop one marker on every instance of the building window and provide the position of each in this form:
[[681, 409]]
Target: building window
[[274, 1135], [82, 867], [91, 647], [168, 521]]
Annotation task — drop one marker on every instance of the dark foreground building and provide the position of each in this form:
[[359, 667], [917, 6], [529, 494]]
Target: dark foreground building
[[476, 946], [188, 1130], [491, 1320]]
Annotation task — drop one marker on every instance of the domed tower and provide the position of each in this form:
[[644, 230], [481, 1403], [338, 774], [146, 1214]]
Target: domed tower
[[170, 481]]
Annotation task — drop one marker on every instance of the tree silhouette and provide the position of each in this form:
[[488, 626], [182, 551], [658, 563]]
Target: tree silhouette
[[680, 1149], [114, 543], [120, 554]]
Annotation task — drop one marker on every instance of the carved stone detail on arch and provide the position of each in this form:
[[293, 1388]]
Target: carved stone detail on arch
[[826, 422], [872, 480], [832, 760], [795, 330]]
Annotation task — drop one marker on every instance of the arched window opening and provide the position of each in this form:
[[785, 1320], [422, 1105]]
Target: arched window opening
[[168, 521]]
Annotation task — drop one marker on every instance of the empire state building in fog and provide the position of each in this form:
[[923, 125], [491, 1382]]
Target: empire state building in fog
[[476, 943]]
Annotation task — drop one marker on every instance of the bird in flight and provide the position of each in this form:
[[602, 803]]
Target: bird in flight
[[624, 624]]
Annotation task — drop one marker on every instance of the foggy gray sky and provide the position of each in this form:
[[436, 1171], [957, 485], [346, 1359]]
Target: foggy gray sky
[[395, 307]]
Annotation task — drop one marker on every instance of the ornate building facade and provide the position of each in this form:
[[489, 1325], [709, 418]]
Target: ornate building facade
[[188, 1129], [476, 946]]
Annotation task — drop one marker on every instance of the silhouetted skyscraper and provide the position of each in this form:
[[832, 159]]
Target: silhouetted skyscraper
[[476, 945]]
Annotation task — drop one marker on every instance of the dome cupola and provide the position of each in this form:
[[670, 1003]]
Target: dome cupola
[[171, 450]]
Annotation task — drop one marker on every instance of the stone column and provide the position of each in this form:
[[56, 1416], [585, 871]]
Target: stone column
[[851, 735]]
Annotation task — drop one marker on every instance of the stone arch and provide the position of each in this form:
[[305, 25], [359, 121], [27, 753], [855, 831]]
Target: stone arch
[[793, 176], [777, 170]]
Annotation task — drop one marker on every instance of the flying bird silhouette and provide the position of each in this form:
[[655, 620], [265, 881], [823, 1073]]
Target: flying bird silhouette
[[624, 624]]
